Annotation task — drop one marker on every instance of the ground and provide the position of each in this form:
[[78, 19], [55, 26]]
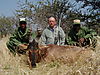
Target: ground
[[10, 65]]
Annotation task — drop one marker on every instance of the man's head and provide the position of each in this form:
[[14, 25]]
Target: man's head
[[22, 23], [76, 25], [39, 31], [52, 22]]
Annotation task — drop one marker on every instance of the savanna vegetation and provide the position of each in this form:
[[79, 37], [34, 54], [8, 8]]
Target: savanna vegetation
[[88, 64], [88, 11]]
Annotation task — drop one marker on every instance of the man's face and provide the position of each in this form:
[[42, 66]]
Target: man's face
[[39, 32], [23, 25], [76, 28], [52, 22]]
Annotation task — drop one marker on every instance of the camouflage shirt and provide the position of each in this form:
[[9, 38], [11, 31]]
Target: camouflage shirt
[[84, 32], [19, 37]]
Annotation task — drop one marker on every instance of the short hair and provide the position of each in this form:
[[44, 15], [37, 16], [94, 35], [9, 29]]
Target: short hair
[[53, 17]]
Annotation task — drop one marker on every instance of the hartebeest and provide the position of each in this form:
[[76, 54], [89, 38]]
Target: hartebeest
[[64, 54]]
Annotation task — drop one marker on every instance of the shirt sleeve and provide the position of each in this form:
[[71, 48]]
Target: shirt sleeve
[[14, 39], [43, 38]]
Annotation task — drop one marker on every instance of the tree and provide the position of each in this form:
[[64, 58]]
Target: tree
[[42, 10], [89, 11], [6, 25], [64, 10]]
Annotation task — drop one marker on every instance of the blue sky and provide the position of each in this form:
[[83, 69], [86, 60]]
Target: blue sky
[[7, 7]]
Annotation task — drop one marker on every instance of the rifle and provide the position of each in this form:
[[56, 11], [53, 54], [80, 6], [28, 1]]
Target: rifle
[[60, 17], [59, 28]]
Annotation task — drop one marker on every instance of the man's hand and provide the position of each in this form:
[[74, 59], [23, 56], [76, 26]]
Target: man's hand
[[30, 30], [81, 40], [22, 46]]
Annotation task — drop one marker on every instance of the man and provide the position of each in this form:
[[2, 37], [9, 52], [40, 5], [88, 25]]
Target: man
[[20, 38], [52, 34], [33, 49], [80, 36], [38, 34]]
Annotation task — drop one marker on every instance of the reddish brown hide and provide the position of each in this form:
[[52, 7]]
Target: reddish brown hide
[[64, 54]]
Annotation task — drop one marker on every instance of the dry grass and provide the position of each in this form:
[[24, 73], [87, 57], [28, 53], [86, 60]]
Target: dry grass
[[10, 65]]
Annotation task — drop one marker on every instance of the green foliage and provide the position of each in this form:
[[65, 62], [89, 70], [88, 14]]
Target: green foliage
[[70, 42], [6, 24], [54, 64], [91, 15], [7, 66], [38, 13]]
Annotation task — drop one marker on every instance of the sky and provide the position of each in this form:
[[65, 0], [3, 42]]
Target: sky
[[7, 7]]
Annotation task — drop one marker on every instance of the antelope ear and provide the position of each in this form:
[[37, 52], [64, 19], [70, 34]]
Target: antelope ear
[[42, 46]]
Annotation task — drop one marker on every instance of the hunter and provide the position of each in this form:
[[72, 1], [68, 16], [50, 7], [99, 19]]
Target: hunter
[[20, 38], [38, 34], [53, 34], [80, 35]]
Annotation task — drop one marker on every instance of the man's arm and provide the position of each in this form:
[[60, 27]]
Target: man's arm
[[14, 39], [43, 38]]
